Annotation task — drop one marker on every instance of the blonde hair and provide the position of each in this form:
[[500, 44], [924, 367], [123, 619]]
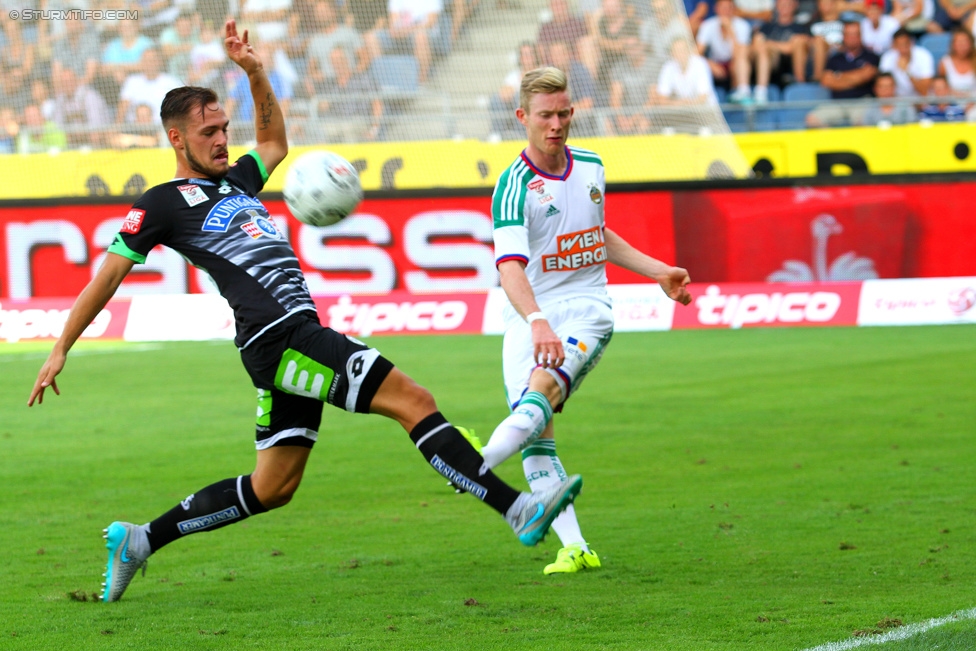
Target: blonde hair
[[546, 81]]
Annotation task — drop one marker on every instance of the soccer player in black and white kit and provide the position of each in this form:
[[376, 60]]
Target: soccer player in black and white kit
[[210, 214]]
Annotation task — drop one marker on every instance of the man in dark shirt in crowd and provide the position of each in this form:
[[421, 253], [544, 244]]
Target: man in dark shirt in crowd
[[849, 74], [780, 46]]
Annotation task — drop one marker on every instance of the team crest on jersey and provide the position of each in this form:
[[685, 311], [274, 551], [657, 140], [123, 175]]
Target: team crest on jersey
[[222, 214], [133, 221], [595, 195], [260, 225], [193, 194]]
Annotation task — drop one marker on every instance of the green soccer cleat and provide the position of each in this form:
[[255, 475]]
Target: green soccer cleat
[[532, 523], [123, 559], [475, 442], [471, 437], [572, 558]]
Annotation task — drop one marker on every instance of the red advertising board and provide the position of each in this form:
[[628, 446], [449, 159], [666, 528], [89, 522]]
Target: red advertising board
[[44, 318], [740, 305], [416, 245]]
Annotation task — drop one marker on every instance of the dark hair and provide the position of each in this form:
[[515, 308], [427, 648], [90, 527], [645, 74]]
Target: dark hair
[[180, 102], [883, 75], [901, 32]]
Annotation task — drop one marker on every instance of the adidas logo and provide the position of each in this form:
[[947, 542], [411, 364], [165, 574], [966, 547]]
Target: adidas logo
[[552, 211]]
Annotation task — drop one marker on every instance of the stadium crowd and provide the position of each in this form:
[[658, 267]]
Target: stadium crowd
[[350, 64]]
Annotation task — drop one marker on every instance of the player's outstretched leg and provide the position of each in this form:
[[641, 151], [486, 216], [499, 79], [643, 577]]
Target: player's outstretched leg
[[451, 454], [218, 505]]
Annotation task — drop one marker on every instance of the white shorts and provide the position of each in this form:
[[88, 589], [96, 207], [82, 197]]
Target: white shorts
[[584, 325]]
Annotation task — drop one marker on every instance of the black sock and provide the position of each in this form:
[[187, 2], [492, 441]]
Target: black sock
[[217, 505], [451, 455]]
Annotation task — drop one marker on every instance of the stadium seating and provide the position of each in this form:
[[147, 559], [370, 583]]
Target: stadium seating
[[794, 118], [937, 44], [396, 74]]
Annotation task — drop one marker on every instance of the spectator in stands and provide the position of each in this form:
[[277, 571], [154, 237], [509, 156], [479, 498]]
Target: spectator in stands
[[685, 79], [915, 15], [943, 109], [615, 24], [76, 48], [570, 28], [755, 12], [40, 96], [38, 134], [350, 102], [302, 24], [122, 54], [882, 113], [367, 15], [143, 131], [145, 88], [629, 84], [410, 27], [206, 57], [849, 74], [662, 26], [877, 27], [724, 40], [268, 17], [698, 11], [959, 65], [582, 86], [502, 105], [780, 46], [8, 130], [16, 55], [956, 13], [827, 32], [177, 41], [80, 110], [331, 33], [911, 66]]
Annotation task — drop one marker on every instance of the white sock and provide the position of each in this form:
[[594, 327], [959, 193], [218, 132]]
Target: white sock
[[543, 469], [521, 428]]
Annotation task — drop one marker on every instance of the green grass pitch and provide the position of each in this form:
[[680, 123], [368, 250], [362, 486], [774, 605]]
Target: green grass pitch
[[752, 489]]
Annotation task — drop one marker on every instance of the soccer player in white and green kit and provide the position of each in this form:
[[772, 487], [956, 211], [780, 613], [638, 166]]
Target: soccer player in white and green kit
[[551, 250]]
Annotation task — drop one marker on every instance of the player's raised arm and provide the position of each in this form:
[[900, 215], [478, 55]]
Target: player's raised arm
[[269, 121], [89, 303], [673, 280]]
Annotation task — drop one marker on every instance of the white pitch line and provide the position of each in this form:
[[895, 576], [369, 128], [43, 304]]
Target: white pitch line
[[900, 633]]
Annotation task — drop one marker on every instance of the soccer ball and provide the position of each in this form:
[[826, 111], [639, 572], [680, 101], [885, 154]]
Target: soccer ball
[[322, 188]]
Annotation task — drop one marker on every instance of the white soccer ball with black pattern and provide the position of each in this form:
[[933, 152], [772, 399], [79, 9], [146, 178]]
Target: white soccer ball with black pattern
[[322, 188]]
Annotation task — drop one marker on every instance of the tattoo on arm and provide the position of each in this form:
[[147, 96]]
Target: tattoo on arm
[[266, 109]]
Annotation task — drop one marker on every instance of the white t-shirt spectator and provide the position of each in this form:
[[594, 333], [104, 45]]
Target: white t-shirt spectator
[[414, 11], [270, 30], [139, 89], [920, 66], [878, 39], [719, 49], [831, 31], [694, 82]]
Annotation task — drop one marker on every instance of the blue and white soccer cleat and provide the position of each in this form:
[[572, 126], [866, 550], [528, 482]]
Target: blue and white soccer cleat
[[532, 524], [124, 558]]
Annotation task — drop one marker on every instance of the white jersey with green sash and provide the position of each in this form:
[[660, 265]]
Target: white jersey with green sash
[[554, 224]]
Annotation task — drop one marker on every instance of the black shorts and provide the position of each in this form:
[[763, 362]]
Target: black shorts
[[297, 366]]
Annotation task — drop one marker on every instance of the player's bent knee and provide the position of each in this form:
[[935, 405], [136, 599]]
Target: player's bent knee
[[401, 398]]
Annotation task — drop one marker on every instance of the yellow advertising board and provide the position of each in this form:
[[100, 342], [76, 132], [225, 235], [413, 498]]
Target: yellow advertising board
[[909, 149]]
